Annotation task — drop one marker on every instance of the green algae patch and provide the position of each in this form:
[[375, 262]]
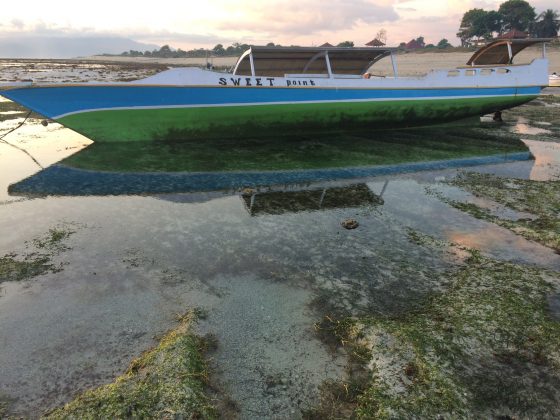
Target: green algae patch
[[4, 405], [539, 198], [165, 382], [10, 110], [485, 347], [12, 269], [53, 241], [544, 109], [38, 261]]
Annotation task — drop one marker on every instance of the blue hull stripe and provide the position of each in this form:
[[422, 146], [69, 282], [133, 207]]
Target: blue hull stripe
[[56, 101]]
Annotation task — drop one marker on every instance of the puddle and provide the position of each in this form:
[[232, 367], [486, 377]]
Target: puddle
[[256, 277], [283, 363], [46, 145], [11, 112], [547, 160], [554, 306], [455, 226], [523, 127]]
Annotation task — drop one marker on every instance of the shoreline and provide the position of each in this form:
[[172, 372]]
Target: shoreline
[[410, 63]]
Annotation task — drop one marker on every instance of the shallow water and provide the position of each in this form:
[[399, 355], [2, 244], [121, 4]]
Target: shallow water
[[523, 127], [72, 71], [264, 261]]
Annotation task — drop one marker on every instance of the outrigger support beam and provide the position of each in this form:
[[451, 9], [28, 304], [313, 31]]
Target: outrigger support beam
[[252, 64], [510, 53], [328, 62], [313, 59], [394, 63]]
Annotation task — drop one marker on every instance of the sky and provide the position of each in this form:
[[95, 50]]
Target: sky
[[191, 24]]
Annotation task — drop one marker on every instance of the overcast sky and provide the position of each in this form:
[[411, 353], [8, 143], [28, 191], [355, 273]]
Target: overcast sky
[[191, 24]]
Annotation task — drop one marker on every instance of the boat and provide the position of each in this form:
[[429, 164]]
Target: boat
[[554, 80], [273, 90]]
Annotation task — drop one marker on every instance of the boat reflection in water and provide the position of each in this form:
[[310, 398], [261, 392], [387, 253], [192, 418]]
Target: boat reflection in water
[[160, 167]]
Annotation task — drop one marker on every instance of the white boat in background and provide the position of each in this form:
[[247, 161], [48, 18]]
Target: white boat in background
[[276, 90], [554, 80]]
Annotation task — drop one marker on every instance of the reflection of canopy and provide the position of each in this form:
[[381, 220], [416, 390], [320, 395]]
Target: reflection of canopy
[[502, 51], [278, 61], [280, 202]]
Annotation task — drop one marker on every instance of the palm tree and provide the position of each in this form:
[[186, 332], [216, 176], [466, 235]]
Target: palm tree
[[548, 24]]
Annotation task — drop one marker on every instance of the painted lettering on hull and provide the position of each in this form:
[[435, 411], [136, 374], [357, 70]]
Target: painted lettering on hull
[[247, 81], [308, 82], [261, 81]]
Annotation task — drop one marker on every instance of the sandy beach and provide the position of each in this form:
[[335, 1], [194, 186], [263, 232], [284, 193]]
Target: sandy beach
[[409, 64]]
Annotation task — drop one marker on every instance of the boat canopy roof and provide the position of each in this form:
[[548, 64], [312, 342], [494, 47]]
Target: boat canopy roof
[[278, 61], [502, 51]]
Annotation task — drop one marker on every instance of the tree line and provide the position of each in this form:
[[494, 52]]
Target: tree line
[[167, 52], [519, 15], [237, 49], [218, 51]]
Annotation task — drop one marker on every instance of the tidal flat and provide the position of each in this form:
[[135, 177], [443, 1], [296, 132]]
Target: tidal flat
[[252, 300]]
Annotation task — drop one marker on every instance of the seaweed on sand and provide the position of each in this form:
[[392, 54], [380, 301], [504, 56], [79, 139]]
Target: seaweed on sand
[[167, 381], [486, 346]]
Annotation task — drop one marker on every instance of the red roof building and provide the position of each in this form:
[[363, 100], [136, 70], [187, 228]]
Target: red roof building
[[375, 43], [414, 45], [514, 34]]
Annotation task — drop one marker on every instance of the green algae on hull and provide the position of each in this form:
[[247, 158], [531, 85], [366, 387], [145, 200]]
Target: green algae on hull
[[129, 125], [165, 382]]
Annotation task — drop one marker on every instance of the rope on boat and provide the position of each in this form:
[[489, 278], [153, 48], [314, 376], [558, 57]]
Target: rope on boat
[[17, 147]]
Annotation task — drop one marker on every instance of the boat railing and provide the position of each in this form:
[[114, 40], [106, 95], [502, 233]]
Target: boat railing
[[497, 66], [478, 71], [307, 75], [350, 62], [322, 75], [347, 76]]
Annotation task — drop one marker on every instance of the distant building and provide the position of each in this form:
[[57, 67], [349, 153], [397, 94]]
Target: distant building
[[514, 34], [478, 42], [414, 45], [327, 45], [375, 43]]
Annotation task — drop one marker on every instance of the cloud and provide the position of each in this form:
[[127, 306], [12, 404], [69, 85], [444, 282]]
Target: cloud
[[165, 37], [28, 36], [288, 18], [17, 23], [47, 41]]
